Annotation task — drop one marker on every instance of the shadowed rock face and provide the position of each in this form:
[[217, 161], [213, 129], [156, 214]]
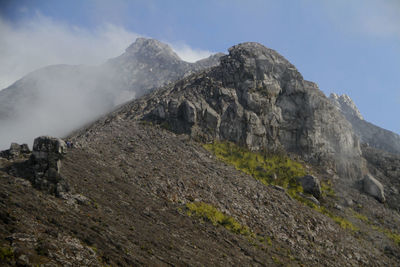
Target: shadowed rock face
[[255, 97]]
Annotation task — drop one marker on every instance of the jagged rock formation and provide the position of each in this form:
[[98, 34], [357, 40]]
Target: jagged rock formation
[[148, 64], [58, 99], [346, 105], [368, 133], [46, 160], [15, 151], [255, 97]]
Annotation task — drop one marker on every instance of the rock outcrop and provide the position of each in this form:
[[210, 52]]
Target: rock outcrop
[[311, 185], [346, 105], [15, 151], [255, 97], [373, 187], [46, 160], [368, 133]]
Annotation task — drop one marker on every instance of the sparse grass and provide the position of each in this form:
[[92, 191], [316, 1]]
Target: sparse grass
[[395, 237], [326, 189], [211, 214], [6, 254], [275, 169], [360, 216]]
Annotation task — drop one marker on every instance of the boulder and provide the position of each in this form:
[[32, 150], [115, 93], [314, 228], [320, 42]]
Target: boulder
[[311, 185], [373, 187], [46, 160]]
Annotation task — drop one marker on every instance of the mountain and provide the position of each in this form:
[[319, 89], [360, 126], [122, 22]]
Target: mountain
[[57, 99], [256, 98], [244, 163], [368, 133]]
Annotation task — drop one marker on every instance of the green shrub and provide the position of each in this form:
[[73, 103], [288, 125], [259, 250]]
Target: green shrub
[[211, 214]]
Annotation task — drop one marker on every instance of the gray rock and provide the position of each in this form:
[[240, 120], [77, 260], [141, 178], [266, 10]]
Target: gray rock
[[311, 198], [346, 105], [256, 98], [311, 185], [46, 160], [373, 187], [368, 133], [15, 151]]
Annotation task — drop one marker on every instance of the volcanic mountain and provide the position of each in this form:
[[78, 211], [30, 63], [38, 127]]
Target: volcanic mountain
[[58, 99], [245, 163]]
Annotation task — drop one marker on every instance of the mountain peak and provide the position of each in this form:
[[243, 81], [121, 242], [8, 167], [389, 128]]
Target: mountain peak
[[346, 105], [151, 47]]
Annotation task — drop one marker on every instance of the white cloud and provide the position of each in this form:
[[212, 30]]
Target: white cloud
[[41, 41], [189, 54]]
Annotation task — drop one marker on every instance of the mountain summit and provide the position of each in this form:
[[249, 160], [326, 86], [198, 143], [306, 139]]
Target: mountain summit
[[58, 99], [151, 48], [256, 98]]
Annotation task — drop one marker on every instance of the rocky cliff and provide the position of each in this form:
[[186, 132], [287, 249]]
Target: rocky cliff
[[368, 133], [256, 98], [57, 99]]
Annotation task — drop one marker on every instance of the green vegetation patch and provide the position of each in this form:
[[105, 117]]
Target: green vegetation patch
[[395, 237], [6, 254], [211, 214], [275, 169]]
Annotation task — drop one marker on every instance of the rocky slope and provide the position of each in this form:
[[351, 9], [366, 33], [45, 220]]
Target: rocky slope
[[134, 177], [255, 97], [57, 99], [129, 184], [369, 133]]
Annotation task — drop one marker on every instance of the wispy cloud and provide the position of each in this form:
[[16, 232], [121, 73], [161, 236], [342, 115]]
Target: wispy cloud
[[189, 54], [40, 41]]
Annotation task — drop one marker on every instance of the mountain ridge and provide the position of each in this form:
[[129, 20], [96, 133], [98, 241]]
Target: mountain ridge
[[368, 133], [58, 99]]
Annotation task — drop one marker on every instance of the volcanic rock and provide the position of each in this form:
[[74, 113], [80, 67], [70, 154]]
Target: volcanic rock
[[46, 159], [368, 133], [311, 185], [373, 187], [256, 98]]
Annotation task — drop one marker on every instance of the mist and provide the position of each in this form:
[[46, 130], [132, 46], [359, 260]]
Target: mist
[[76, 89]]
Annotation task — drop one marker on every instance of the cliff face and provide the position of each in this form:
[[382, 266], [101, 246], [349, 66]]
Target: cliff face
[[256, 98], [58, 99], [368, 133]]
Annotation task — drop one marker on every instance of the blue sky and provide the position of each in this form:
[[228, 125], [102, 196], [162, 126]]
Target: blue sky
[[350, 47]]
